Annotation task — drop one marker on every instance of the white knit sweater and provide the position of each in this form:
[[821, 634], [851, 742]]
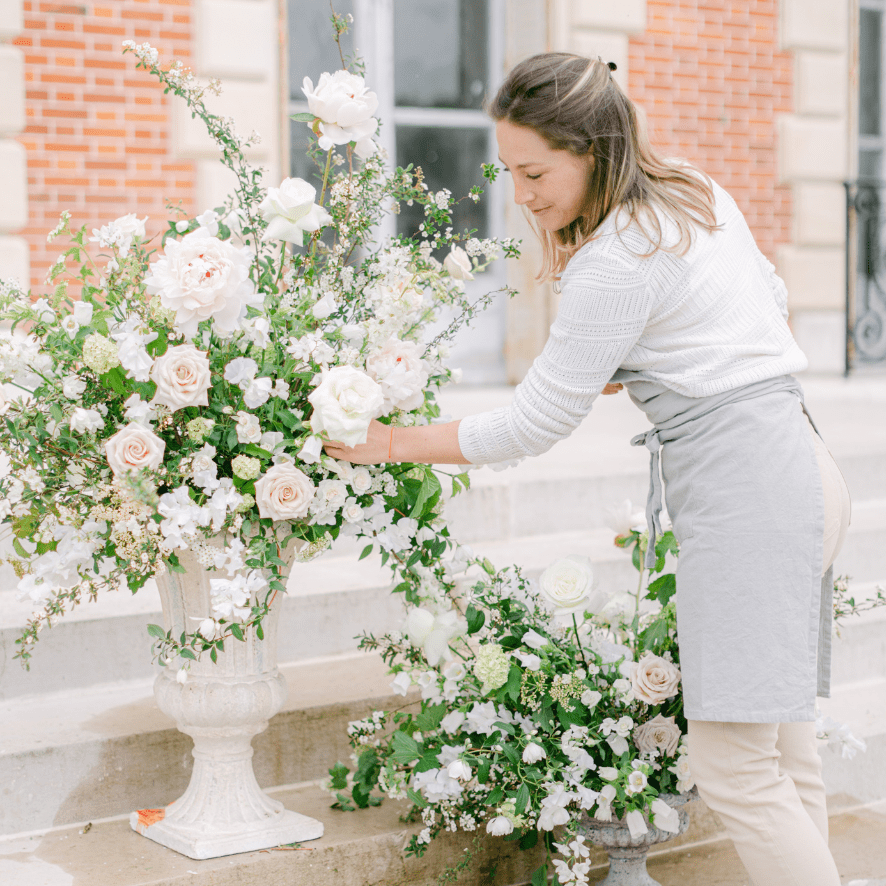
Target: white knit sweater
[[702, 323]]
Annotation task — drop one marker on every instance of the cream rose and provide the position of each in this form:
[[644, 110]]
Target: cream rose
[[654, 679], [284, 493], [659, 734], [567, 582], [458, 264], [400, 370], [202, 278], [182, 378], [345, 108], [133, 448], [344, 402], [290, 211]]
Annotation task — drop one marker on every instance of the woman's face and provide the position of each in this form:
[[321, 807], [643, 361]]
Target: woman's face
[[552, 184]]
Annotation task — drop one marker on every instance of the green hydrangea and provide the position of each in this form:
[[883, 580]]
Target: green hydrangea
[[198, 428], [491, 666], [245, 467], [166, 316], [246, 504], [100, 354]]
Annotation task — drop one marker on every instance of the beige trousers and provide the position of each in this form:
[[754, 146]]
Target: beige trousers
[[764, 779]]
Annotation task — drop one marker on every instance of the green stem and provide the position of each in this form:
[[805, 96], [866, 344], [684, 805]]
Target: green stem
[[578, 641]]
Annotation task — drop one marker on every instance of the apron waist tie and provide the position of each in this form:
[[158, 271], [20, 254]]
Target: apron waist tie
[[654, 502]]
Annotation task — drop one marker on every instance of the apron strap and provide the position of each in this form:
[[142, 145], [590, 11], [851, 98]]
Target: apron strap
[[654, 503]]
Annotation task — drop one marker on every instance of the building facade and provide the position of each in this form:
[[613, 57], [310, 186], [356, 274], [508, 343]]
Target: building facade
[[764, 95]]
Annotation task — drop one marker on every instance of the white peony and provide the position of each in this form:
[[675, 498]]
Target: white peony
[[133, 448], [345, 402], [345, 108], [400, 370], [202, 278], [458, 264], [284, 493], [86, 421], [290, 211], [182, 378], [567, 582]]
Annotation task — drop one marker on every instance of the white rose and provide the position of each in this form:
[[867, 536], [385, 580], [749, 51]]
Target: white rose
[[182, 378], [73, 387], [458, 264], [658, 734], [290, 211], [284, 493], [654, 679], [345, 108], [134, 447], [202, 277], [567, 582], [86, 421], [344, 402], [360, 481], [400, 370]]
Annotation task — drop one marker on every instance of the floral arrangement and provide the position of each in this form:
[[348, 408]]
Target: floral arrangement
[[543, 703], [162, 394]]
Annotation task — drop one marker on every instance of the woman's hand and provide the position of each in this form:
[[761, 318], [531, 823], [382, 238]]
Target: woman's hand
[[375, 451], [612, 389]]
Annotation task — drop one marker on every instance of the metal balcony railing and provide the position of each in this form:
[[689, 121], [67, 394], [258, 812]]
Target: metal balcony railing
[[865, 273]]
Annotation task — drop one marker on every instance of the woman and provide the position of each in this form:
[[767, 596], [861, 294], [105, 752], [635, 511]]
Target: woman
[[665, 292]]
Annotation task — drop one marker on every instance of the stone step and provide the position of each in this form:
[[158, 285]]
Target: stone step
[[365, 848], [106, 750]]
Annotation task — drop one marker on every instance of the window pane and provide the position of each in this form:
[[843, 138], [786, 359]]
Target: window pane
[[870, 70], [312, 48], [869, 164], [449, 158], [440, 54]]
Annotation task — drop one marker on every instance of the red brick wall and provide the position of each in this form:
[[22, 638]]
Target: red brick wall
[[98, 131], [712, 81]]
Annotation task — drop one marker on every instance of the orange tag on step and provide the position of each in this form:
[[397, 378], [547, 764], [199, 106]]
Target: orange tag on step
[[147, 817]]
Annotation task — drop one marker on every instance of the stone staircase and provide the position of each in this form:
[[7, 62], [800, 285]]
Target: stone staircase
[[81, 740]]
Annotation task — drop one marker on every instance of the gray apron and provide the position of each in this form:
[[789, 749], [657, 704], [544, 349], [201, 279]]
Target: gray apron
[[744, 493]]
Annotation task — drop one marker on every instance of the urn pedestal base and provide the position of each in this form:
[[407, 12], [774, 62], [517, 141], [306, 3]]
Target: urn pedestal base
[[195, 842]]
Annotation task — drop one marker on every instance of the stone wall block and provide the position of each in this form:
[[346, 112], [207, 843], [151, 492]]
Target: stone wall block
[[12, 21], [822, 82], [811, 148], [253, 106], [821, 335], [15, 260], [814, 276], [12, 90], [608, 45], [815, 24], [232, 39], [626, 16], [819, 214], [13, 187]]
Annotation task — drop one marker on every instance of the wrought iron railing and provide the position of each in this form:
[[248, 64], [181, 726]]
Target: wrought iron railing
[[865, 273]]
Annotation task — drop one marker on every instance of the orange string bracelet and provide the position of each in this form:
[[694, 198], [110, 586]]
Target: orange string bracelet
[[391, 443]]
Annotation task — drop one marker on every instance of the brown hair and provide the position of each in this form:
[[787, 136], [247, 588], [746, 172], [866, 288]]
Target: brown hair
[[576, 105]]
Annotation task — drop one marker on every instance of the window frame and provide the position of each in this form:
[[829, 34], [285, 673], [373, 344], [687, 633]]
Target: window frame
[[868, 143]]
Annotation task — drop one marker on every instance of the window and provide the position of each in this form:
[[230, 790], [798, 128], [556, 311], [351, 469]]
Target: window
[[431, 63], [870, 93]]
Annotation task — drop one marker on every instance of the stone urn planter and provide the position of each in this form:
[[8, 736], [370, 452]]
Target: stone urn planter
[[627, 854], [221, 706]]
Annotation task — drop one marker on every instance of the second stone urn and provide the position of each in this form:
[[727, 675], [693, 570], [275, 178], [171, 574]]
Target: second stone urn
[[222, 706], [627, 854]]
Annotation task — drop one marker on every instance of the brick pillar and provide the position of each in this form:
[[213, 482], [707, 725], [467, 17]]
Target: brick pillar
[[14, 259]]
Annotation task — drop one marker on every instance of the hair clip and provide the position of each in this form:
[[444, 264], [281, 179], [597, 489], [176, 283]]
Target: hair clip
[[612, 66]]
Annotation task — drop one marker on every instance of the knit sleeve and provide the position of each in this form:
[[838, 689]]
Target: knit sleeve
[[603, 310]]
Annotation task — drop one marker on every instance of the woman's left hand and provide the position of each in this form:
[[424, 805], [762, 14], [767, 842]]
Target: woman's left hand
[[373, 452]]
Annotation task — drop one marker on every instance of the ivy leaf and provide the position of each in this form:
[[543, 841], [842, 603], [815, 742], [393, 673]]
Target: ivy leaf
[[304, 117], [157, 631], [663, 588]]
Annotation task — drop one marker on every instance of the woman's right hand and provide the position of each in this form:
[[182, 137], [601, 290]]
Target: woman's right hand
[[612, 388]]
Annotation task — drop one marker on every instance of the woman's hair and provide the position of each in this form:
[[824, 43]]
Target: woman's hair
[[575, 105]]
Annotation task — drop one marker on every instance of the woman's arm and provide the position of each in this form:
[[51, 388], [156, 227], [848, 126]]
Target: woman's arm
[[428, 444]]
